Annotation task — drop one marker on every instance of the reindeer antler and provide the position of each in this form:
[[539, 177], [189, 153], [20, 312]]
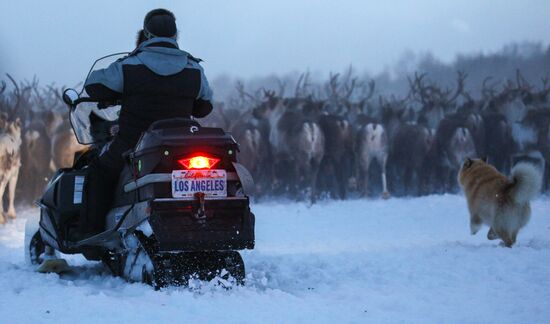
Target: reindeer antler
[[332, 86], [269, 94], [16, 93], [417, 88], [239, 86], [461, 77], [349, 84], [56, 92], [367, 91], [298, 84], [522, 84], [302, 85], [282, 87]]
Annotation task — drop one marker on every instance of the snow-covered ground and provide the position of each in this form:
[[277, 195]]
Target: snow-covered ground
[[400, 260]]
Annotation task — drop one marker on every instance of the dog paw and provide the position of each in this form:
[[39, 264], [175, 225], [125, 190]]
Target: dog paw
[[474, 228], [492, 235], [2, 219], [386, 195], [505, 244]]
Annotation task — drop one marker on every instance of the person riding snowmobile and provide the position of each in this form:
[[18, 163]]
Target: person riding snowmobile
[[156, 81]]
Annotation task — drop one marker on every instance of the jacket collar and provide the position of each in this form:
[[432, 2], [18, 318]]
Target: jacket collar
[[151, 42]]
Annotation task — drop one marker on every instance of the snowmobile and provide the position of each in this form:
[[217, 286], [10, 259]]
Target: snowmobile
[[180, 210]]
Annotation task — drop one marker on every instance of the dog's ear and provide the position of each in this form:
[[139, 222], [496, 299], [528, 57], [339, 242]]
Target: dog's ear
[[467, 163]]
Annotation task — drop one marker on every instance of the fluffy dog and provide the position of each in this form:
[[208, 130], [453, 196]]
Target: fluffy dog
[[497, 201]]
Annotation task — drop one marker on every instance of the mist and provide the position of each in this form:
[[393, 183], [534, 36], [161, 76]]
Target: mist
[[57, 41], [496, 68]]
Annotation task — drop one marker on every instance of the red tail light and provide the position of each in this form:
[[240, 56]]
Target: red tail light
[[199, 162]]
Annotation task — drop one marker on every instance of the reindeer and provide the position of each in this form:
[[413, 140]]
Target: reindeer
[[453, 143], [409, 152], [503, 116], [537, 123], [251, 134], [10, 145], [297, 144], [338, 160], [64, 147], [348, 97], [395, 113], [436, 103], [371, 143], [36, 149], [35, 159], [216, 118], [10, 162]]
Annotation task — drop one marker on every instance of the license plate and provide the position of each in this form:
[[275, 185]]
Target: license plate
[[186, 183]]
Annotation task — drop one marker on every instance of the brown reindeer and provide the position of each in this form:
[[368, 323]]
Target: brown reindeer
[[409, 152], [453, 143], [36, 146], [64, 147]]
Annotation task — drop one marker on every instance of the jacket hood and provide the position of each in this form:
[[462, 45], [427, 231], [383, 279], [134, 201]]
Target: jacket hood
[[162, 60]]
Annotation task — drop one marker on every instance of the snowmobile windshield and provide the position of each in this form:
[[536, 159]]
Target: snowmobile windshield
[[91, 124], [86, 120]]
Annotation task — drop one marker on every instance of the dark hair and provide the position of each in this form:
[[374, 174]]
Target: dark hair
[[140, 37]]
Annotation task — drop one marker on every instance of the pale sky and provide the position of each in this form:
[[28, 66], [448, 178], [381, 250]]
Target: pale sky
[[58, 40]]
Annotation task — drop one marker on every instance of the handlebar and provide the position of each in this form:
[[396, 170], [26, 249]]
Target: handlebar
[[100, 104], [73, 103], [83, 99]]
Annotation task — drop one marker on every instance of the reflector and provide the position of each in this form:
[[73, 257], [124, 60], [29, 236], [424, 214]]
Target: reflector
[[198, 162]]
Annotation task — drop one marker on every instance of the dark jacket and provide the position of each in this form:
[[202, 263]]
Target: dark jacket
[[157, 81]]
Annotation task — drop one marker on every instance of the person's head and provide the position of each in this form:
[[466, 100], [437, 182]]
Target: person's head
[[158, 23]]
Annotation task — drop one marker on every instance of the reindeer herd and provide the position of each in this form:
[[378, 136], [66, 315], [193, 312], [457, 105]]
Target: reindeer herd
[[333, 139], [336, 139], [35, 140]]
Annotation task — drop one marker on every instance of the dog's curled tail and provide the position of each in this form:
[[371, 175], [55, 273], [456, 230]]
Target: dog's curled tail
[[526, 182]]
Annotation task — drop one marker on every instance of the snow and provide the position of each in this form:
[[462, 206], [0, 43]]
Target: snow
[[398, 260]]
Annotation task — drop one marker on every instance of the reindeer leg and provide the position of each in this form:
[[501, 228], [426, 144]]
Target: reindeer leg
[[3, 184], [297, 184], [341, 181], [332, 179], [315, 166], [11, 194], [385, 192], [366, 167], [407, 179]]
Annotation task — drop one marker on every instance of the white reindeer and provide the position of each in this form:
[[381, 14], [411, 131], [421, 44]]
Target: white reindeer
[[372, 144], [10, 162]]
